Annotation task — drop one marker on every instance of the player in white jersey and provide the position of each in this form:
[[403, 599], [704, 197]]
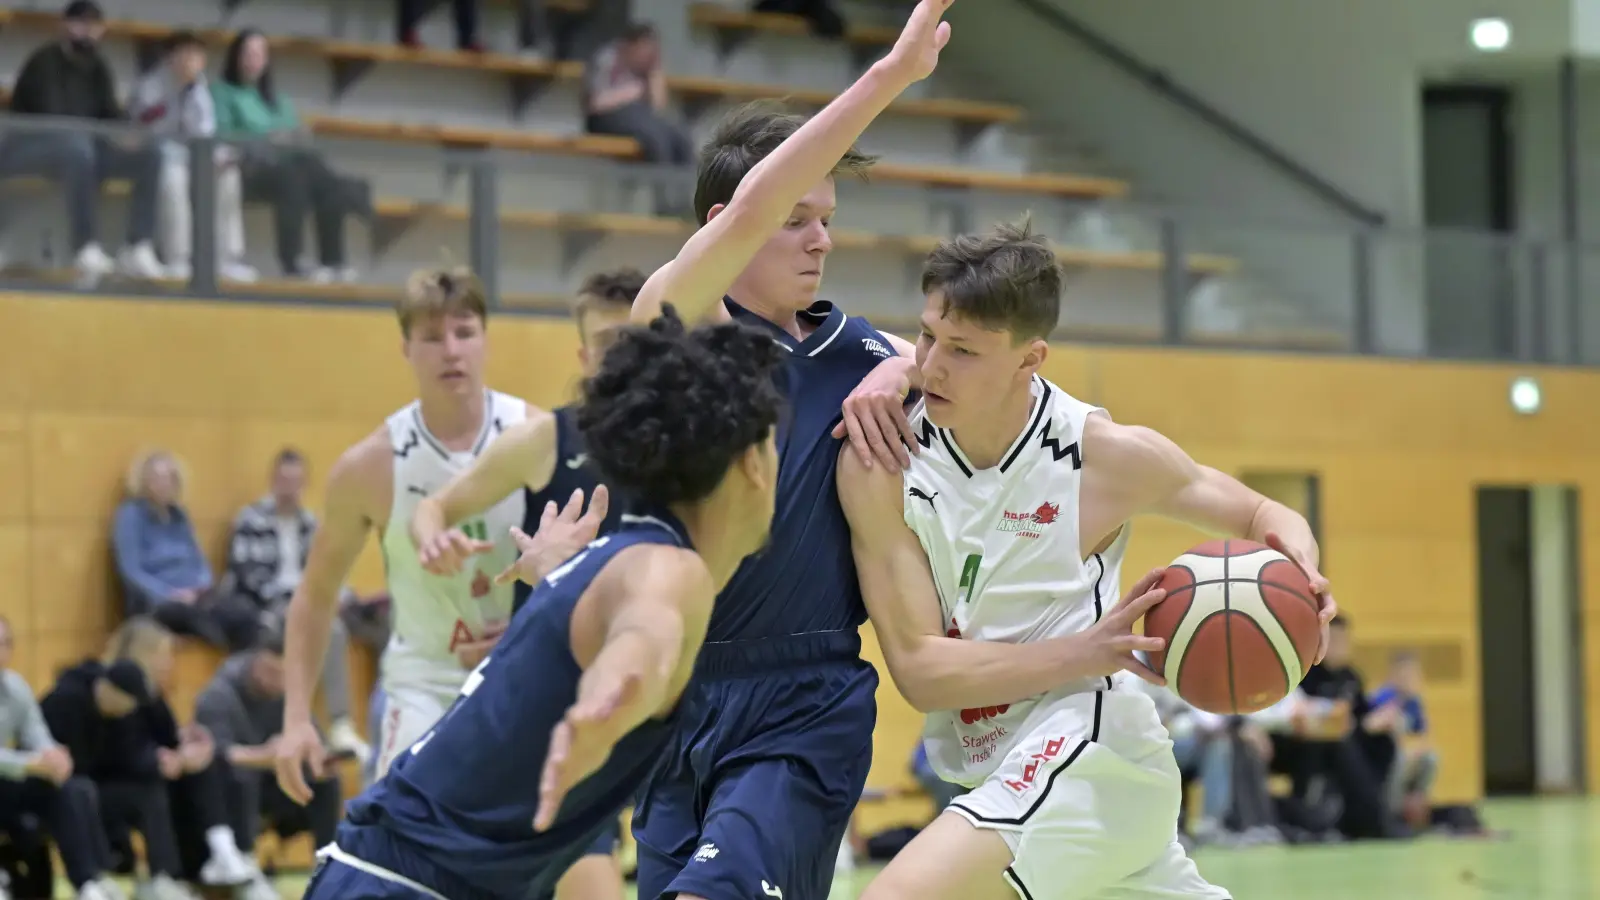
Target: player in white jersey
[[990, 567], [443, 626]]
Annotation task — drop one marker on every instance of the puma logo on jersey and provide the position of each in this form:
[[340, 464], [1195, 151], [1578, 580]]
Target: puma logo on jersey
[[577, 461], [876, 348], [771, 890], [413, 489], [921, 495]]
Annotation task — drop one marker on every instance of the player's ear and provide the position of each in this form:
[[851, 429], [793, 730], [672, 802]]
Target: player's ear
[[1034, 356], [715, 209]]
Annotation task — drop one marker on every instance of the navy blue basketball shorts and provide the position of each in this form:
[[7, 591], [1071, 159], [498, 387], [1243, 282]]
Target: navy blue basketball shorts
[[771, 756]]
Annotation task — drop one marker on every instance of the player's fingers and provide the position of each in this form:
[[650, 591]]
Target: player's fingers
[[877, 439], [1132, 664], [1140, 643], [907, 433], [549, 514], [292, 779], [891, 434], [1134, 608], [1149, 580], [569, 513], [853, 433], [941, 36], [1329, 609], [510, 574], [599, 505]]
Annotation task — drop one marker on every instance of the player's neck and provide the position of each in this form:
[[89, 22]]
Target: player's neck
[[454, 419], [713, 539], [778, 313], [984, 443]]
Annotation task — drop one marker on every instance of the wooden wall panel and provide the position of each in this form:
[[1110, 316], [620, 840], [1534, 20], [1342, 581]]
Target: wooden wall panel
[[16, 603], [1398, 448]]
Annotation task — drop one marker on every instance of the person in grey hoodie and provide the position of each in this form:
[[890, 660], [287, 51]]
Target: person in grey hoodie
[[37, 782], [242, 707]]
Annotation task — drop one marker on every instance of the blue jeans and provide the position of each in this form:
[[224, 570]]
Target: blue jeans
[[1211, 754], [79, 162]]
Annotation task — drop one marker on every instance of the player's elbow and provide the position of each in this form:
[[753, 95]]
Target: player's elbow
[[915, 679]]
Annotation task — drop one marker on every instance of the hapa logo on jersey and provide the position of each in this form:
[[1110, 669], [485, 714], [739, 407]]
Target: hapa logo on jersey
[[876, 348], [1030, 524], [1030, 772]]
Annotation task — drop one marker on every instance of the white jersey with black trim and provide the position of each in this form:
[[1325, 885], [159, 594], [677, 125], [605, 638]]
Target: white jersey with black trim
[[432, 614], [1008, 563]]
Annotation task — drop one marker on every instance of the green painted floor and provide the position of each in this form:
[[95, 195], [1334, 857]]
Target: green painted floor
[[1552, 852]]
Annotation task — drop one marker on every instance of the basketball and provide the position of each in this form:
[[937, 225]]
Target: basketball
[[1240, 622]]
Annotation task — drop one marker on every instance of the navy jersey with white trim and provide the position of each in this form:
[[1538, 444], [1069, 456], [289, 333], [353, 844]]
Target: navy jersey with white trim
[[464, 796], [805, 579], [573, 470]]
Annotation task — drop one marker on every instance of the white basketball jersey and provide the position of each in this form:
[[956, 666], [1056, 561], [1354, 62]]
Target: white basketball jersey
[[1008, 563], [431, 614]]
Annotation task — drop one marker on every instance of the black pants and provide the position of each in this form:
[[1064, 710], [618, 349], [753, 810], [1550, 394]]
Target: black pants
[[255, 802], [142, 806], [297, 181], [226, 621], [199, 802], [69, 814], [1344, 768], [466, 12]]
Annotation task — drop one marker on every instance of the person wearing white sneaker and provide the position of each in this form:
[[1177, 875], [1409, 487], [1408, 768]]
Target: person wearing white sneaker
[[174, 102], [71, 79]]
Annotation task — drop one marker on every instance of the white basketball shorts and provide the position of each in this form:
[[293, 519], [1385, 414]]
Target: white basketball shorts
[[1088, 803], [408, 712]]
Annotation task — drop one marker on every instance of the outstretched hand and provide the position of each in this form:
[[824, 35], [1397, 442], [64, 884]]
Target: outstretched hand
[[1327, 609], [581, 743], [561, 535], [1111, 641], [916, 53]]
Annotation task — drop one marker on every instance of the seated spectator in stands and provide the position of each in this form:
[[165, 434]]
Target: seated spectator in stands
[[279, 168], [37, 780], [825, 20], [1399, 730], [266, 557], [174, 101], [83, 711], [242, 707], [155, 750], [162, 570], [1325, 749], [70, 78], [625, 93]]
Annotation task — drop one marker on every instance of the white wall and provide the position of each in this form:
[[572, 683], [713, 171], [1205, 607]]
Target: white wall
[[1335, 85]]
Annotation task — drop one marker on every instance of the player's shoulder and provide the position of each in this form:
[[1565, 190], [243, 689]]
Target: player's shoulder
[[657, 569], [867, 492], [364, 473]]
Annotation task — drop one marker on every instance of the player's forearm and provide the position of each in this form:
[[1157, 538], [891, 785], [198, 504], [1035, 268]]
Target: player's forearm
[[428, 521], [943, 673], [307, 627], [649, 659]]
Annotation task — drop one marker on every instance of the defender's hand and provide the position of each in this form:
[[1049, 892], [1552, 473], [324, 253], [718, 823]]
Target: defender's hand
[[580, 745], [447, 552], [916, 53], [561, 535], [875, 415]]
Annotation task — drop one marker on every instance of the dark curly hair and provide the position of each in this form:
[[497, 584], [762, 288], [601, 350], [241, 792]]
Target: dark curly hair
[[671, 408]]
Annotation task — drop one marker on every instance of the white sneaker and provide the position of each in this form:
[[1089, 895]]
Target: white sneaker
[[238, 271], [162, 887], [342, 737], [180, 271], [330, 275], [99, 889], [93, 264], [227, 870], [139, 261]]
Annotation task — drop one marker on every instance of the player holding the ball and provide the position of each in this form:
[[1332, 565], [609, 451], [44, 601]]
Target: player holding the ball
[[990, 569]]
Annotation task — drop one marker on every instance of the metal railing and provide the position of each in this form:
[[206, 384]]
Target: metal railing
[[1140, 273]]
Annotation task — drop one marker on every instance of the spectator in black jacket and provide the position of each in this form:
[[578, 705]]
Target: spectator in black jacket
[[83, 711], [69, 78]]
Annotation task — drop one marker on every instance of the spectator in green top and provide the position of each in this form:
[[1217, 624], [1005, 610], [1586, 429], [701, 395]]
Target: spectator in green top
[[278, 165]]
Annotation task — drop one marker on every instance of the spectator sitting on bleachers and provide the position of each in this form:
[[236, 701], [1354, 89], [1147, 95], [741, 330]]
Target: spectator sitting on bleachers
[[37, 780], [625, 93], [409, 16], [266, 557], [82, 710], [279, 168], [1400, 731], [70, 78], [242, 706], [174, 101], [158, 558]]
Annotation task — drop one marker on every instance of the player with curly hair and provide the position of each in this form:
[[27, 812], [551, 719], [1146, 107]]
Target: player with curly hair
[[556, 730]]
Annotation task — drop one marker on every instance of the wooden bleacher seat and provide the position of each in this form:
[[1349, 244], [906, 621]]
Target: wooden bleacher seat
[[724, 18]]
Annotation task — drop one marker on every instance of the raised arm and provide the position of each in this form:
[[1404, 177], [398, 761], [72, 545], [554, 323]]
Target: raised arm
[[932, 671], [706, 267], [635, 636], [355, 485], [524, 456]]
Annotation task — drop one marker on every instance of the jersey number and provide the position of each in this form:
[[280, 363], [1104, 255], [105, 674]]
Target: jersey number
[[474, 679], [969, 579], [476, 529]]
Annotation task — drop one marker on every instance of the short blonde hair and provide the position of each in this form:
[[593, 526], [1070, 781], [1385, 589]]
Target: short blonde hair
[[613, 289], [137, 639], [138, 472], [454, 291]]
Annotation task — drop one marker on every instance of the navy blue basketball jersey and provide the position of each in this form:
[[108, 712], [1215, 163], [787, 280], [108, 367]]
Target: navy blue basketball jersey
[[459, 804], [805, 579], [573, 471]]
